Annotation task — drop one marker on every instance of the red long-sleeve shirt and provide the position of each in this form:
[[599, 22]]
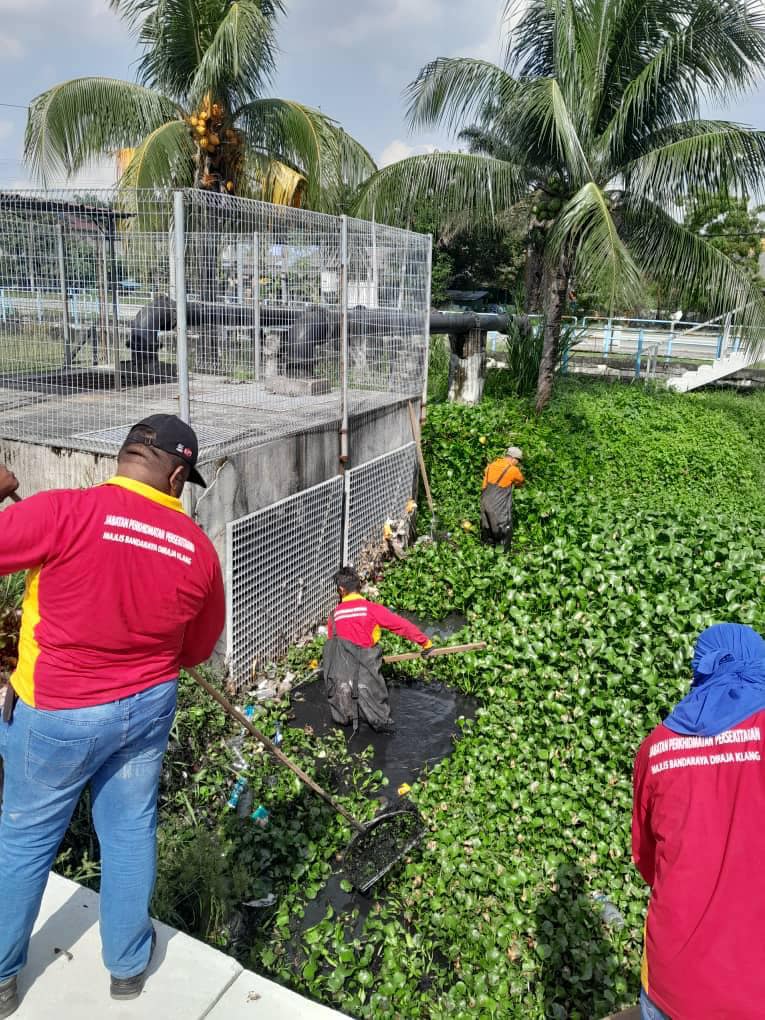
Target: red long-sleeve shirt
[[698, 840], [122, 590], [361, 621]]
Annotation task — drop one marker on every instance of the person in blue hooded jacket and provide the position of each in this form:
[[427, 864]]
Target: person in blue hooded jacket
[[698, 838]]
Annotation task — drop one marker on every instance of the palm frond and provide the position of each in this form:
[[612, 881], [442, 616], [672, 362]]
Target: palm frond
[[715, 49], [602, 262], [449, 90], [311, 143], [240, 58], [463, 184], [543, 123], [530, 41], [77, 121], [707, 155], [676, 256], [190, 47], [165, 158]]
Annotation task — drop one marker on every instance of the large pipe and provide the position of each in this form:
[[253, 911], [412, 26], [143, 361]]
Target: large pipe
[[464, 322], [305, 326]]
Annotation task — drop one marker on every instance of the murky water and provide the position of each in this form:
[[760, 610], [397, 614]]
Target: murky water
[[437, 629], [425, 716], [426, 727]]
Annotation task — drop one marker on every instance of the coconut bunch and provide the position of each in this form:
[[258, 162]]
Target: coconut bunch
[[220, 145], [548, 200]]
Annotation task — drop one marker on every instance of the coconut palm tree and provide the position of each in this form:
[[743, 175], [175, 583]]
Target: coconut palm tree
[[197, 113], [592, 121]]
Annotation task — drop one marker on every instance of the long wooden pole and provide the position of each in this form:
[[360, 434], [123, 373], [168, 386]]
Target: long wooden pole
[[477, 646], [280, 756], [420, 458]]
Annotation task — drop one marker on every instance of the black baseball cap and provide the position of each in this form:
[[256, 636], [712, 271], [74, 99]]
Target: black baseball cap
[[173, 436]]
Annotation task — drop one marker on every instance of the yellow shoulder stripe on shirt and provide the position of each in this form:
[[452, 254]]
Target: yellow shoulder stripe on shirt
[[148, 491]]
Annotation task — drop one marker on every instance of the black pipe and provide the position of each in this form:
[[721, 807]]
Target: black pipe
[[464, 322], [306, 326]]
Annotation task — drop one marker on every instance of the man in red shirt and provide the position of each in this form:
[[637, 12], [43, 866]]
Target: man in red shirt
[[352, 659], [698, 838], [123, 590]]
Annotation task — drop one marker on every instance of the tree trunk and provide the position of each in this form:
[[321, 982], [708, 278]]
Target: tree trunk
[[533, 277], [555, 290], [467, 366]]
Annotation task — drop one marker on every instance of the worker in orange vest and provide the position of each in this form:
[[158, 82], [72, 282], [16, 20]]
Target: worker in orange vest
[[499, 480]]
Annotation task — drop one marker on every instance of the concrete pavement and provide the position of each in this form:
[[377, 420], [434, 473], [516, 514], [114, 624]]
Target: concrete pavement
[[188, 980]]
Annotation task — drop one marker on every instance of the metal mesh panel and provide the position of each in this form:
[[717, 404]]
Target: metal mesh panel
[[93, 315], [375, 492], [280, 565], [267, 316], [75, 273], [388, 288]]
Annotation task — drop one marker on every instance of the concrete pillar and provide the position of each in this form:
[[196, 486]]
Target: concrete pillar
[[272, 339], [467, 366]]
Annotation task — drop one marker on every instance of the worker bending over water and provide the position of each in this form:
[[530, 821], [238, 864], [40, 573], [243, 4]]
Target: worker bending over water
[[499, 479], [352, 659]]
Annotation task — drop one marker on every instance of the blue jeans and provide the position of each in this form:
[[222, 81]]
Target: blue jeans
[[648, 1011], [50, 756]]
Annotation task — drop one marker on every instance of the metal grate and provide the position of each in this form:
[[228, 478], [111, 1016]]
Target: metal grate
[[375, 492], [113, 437], [280, 562]]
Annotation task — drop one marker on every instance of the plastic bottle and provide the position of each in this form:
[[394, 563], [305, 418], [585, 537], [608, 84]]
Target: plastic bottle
[[236, 793], [278, 735], [244, 806], [260, 816], [609, 914]]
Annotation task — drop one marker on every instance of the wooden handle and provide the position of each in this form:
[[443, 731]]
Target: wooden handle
[[420, 458], [449, 650], [235, 714]]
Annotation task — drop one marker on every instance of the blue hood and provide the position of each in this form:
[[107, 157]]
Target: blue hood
[[728, 682]]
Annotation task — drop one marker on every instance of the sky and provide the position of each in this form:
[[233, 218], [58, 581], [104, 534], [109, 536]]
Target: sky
[[351, 58]]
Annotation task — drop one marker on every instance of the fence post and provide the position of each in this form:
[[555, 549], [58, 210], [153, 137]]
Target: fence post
[[567, 349], [639, 354], [115, 308], [64, 295], [181, 346], [239, 271], [256, 301], [344, 352], [346, 519], [607, 336], [426, 330]]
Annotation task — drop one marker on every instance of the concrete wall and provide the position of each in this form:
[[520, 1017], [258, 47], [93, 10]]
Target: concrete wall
[[237, 484], [244, 482]]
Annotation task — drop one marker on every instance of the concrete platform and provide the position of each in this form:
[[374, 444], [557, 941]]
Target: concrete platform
[[187, 980]]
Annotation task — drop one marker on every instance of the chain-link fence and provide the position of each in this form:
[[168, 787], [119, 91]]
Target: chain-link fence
[[250, 319], [281, 560]]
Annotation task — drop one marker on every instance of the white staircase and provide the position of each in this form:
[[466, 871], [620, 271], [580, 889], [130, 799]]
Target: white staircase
[[719, 369]]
